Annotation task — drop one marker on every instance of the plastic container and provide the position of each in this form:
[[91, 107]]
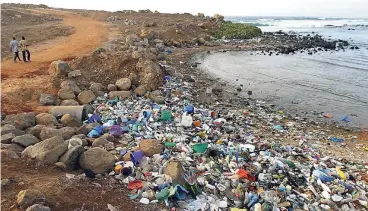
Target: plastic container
[[186, 120], [200, 148], [197, 123], [189, 109], [166, 115]]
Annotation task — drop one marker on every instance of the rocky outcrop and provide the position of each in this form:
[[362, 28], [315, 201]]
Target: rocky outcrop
[[97, 159], [47, 99], [46, 119], [151, 74], [86, 97], [150, 147], [123, 84], [25, 140], [47, 151], [21, 121], [65, 132], [71, 157]]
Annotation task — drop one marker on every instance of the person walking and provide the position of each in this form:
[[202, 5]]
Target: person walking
[[14, 49], [24, 47]]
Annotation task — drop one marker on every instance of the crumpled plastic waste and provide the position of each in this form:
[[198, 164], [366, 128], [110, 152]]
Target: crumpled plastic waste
[[220, 158]]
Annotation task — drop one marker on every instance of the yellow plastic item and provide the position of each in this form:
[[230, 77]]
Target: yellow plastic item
[[237, 209], [118, 168], [340, 173], [219, 141]]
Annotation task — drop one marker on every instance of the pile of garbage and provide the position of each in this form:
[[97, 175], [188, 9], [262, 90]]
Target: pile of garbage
[[192, 157]]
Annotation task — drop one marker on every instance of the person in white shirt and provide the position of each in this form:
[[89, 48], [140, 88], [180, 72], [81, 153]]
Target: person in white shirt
[[14, 49]]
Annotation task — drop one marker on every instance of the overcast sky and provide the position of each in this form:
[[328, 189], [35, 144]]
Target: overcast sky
[[320, 8]]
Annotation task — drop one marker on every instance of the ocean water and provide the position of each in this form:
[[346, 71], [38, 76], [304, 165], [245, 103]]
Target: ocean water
[[325, 82]]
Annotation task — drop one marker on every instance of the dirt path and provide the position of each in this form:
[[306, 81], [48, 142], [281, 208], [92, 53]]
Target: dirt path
[[23, 82]]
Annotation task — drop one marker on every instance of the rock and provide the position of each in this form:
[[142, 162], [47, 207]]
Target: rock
[[201, 41], [140, 91], [112, 87], [201, 15], [86, 97], [9, 153], [59, 68], [97, 159], [109, 137], [154, 51], [65, 132], [8, 128], [25, 140], [6, 138], [147, 33], [71, 157], [175, 171], [95, 87], [35, 130], [121, 94], [47, 99], [60, 165], [161, 56], [123, 84], [69, 103], [83, 130], [74, 74], [38, 207], [70, 121], [46, 119], [150, 147], [69, 84], [21, 121], [131, 39], [134, 79], [80, 136], [66, 94], [47, 151], [151, 74], [27, 198], [13, 147], [101, 141], [156, 97], [219, 18]]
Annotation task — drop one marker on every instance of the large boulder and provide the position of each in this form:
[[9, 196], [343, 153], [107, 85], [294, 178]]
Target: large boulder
[[9, 128], [13, 147], [21, 121], [47, 151], [59, 68], [175, 171], [150, 147], [27, 198], [69, 84], [70, 158], [25, 140], [86, 97], [112, 87], [101, 141], [46, 119], [123, 84], [70, 121], [6, 138], [66, 94], [69, 103], [121, 94], [35, 130], [47, 99], [65, 132], [97, 159], [151, 74], [156, 97], [140, 91]]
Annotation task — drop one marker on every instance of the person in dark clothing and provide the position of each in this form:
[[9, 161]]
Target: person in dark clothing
[[24, 47], [14, 49]]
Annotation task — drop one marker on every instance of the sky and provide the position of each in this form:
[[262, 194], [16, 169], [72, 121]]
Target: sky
[[315, 8]]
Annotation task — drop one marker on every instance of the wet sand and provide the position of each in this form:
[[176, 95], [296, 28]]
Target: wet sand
[[326, 82]]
